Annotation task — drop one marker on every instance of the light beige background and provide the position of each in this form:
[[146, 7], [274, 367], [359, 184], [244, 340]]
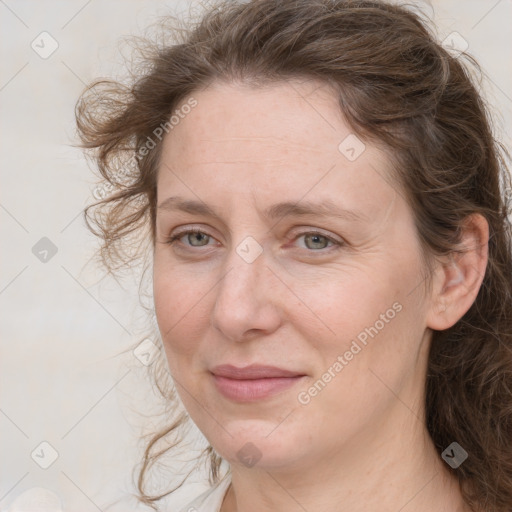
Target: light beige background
[[63, 324]]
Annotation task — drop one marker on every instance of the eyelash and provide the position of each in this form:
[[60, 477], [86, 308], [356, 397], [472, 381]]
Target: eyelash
[[335, 243]]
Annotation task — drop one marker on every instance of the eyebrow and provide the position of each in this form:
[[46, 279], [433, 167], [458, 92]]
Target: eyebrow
[[327, 208]]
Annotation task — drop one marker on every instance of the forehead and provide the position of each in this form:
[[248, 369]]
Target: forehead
[[289, 115], [288, 137]]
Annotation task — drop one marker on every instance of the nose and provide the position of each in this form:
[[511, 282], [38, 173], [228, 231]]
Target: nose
[[247, 299]]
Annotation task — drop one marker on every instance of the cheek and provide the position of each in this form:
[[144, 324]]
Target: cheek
[[343, 304], [179, 305], [367, 314], [165, 305]]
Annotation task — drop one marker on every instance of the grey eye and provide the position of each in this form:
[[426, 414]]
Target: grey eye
[[197, 236], [316, 240]]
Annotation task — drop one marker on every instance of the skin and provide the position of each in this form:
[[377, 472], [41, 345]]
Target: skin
[[361, 443]]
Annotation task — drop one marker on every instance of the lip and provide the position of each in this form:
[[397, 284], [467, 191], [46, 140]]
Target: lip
[[253, 371], [253, 382]]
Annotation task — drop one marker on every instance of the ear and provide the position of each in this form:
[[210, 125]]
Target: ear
[[458, 277]]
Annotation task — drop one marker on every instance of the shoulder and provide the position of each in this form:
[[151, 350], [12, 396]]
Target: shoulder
[[210, 500]]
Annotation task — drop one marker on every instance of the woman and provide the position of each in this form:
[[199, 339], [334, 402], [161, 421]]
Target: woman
[[332, 265]]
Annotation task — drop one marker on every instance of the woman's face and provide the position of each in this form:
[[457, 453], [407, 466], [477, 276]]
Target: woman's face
[[307, 260]]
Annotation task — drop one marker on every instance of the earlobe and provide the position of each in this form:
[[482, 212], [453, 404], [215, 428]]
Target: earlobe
[[459, 276]]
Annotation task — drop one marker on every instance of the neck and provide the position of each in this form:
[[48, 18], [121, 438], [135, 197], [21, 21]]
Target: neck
[[391, 466]]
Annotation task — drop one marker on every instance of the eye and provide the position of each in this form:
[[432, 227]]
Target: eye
[[193, 235], [316, 241]]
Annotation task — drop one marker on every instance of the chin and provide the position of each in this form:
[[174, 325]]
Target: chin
[[260, 444]]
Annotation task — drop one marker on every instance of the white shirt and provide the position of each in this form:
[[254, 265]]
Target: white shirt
[[211, 500]]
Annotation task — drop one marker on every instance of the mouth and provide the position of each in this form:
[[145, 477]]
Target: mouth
[[254, 382]]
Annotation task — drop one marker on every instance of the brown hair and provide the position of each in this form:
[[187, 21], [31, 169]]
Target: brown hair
[[397, 86]]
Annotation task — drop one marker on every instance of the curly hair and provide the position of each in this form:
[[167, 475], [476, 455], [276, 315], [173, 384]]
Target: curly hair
[[396, 86]]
